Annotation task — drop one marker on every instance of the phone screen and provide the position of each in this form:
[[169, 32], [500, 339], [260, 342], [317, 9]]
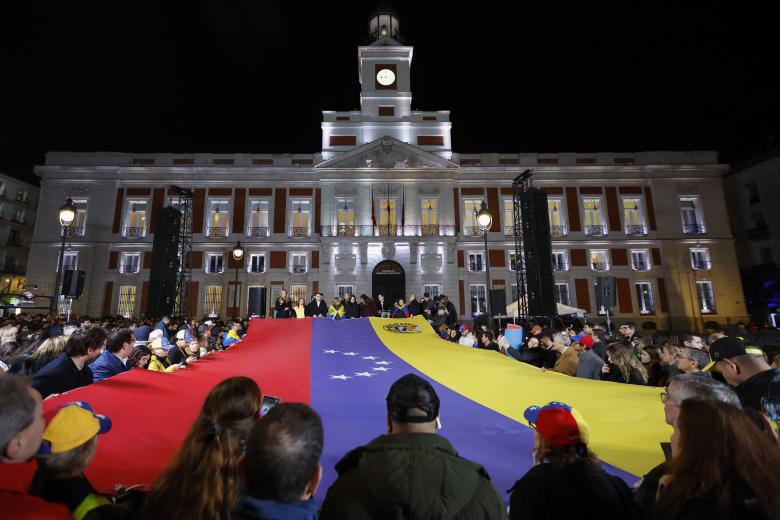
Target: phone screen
[[268, 402], [771, 408]]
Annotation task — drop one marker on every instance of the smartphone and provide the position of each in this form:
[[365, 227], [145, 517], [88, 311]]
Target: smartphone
[[268, 402], [771, 408]]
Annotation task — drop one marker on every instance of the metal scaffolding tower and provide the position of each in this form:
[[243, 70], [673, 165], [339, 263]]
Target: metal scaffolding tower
[[182, 201], [521, 183]]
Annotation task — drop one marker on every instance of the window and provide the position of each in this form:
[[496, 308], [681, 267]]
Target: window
[[14, 238], [559, 261], [341, 290], [130, 263], [512, 261], [429, 216], [515, 293], [215, 263], [691, 216], [476, 262], [297, 292], [70, 261], [345, 213], [77, 229], [594, 224], [640, 260], [599, 261], [135, 220], [20, 215], [633, 220], [387, 217], [218, 219], [433, 289], [509, 217], [301, 213], [644, 295], [126, 306], [557, 221], [21, 195], [706, 297], [256, 263], [752, 193], [213, 302], [470, 209], [298, 263], [478, 302], [258, 219], [700, 258], [562, 293]]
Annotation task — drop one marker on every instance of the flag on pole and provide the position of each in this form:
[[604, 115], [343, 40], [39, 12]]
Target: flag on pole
[[373, 208], [403, 205]]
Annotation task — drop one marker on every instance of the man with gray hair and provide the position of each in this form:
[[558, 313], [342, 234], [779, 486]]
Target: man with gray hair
[[680, 388], [21, 431], [568, 358]]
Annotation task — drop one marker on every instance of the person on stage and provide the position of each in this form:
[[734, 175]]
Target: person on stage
[[300, 309], [283, 306], [317, 308]]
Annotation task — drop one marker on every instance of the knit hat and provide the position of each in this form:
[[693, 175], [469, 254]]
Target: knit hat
[[73, 425]]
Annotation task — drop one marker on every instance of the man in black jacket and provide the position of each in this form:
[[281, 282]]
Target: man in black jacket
[[70, 370], [317, 308], [414, 306], [452, 313]]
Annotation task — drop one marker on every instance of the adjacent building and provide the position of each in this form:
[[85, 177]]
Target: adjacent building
[[388, 206], [18, 206]]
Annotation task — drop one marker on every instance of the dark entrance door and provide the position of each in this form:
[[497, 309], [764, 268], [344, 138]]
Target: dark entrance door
[[388, 278]]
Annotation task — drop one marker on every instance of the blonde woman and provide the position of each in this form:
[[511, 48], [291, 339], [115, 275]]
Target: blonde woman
[[41, 356], [622, 366]]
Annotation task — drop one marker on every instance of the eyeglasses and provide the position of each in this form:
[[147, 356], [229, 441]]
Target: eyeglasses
[[683, 357], [664, 396]]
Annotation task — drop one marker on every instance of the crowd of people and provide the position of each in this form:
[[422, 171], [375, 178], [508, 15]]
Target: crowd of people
[[721, 458]]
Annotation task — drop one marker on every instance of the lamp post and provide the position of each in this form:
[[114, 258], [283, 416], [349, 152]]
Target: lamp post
[[484, 221], [238, 254], [67, 216]]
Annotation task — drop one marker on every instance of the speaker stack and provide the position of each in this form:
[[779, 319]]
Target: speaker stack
[[73, 283], [605, 292], [539, 278], [165, 264], [257, 301]]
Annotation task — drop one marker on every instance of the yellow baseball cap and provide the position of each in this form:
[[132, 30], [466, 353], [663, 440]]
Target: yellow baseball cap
[[73, 425]]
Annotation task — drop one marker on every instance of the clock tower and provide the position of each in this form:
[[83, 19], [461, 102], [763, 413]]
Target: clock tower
[[384, 72]]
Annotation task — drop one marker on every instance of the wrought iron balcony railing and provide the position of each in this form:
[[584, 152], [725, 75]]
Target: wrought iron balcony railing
[[128, 268], [600, 266], [509, 231], [384, 230], [693, 229], [635, 230], [257, 232], [74, 231], [472, 231], [257, 269], [596, 230], [299, 232], [559, 267], [641, 266], [702, 264], [558, 230], [217, 232], [133, 232], [298, 269], [476, 266]]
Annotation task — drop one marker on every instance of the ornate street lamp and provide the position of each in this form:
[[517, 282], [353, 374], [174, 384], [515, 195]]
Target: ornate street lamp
[[238, 254], [484, 221], [67, 216]]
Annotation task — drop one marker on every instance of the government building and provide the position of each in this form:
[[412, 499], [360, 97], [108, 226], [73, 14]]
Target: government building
[[388, 206]]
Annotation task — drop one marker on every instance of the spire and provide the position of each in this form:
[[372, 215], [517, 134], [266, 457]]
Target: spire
[[383, 28]]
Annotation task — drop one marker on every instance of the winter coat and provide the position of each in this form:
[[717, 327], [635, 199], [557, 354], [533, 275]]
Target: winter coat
[[107, 365]]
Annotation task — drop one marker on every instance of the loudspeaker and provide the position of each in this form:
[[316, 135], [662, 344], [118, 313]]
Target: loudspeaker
[[165, 264], [73, 283], [498, 302], [257, 301], [605, 292], [540, 283]]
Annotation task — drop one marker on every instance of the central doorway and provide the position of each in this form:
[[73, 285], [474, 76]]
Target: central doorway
[[388, 278]]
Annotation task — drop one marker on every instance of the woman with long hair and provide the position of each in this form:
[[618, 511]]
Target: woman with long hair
[[723, 466], [46, 352], [622, 366], [300, 308], [650, 357], [140, 357], [202, 481], [283, 306]]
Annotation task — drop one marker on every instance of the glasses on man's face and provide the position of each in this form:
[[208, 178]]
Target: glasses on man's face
[[664, 396], [683, 357]]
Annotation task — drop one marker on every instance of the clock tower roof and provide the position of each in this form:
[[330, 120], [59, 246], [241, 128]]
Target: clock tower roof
[[383, 29]]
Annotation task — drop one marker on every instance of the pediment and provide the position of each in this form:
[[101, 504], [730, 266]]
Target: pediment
[[387, 153]]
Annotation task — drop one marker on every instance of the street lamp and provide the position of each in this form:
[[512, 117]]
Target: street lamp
[[67, 216], [484, 221], [238, 254]]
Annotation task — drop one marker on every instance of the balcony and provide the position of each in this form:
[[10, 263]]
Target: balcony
[[472, 231], [345, 230], [128, 268], [299, 232], [646, 310], [758, 233], [74, 231], [509, 231], [701, 264], [257, 269], [641, 266], [693, 229], [69, 267], [636, 230], [476, 266], [217, 232], [257, 232], [560, 267], [596, 230], [599, 266], [558, 230], [298, 269], [133, 232]]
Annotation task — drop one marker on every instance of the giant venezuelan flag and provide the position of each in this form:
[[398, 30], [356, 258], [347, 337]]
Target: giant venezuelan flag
[[344, 369]]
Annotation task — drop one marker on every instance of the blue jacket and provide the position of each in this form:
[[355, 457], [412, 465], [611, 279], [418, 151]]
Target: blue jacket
[[256, 509], [60, 376], [163, 327], [107, 365]]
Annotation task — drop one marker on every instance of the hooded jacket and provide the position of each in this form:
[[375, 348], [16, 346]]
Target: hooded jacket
[[410, 476]]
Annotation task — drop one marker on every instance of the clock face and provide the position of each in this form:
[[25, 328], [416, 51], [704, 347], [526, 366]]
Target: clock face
[[385, 77]]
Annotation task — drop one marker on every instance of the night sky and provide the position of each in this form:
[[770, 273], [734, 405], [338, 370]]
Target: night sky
[[253, 75]]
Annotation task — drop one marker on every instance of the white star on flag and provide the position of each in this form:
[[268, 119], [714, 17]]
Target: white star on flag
[[369, 357], [351, 353], [341, 376], [383, 362], [383, 369], [329, 351], [365, 374]]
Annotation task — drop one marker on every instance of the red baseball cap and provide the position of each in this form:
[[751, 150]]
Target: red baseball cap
[[558, 423]]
